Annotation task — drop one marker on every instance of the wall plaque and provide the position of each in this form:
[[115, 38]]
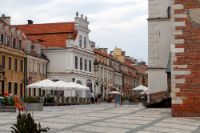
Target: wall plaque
[[194, 16]]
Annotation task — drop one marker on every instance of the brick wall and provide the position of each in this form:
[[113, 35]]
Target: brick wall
[[186, 58]]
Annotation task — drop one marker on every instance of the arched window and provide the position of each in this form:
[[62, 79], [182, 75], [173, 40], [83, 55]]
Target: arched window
[[169, 12]]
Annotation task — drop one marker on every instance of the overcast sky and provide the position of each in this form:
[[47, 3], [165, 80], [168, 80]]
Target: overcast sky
[[120, 23]]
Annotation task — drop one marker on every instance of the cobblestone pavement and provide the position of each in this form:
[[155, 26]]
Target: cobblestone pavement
[[105, 118]]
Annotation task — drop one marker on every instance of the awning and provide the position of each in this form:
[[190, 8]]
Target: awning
[[141, 87]]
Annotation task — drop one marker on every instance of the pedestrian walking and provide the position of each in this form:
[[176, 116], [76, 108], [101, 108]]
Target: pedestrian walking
[[117, 100], [92, 98], [99, 98]]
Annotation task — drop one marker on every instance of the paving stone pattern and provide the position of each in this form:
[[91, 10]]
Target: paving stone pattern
[[105, 118]]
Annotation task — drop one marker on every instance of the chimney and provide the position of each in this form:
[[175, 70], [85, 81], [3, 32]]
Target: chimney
[[30, 21], [123, 53], [92, 44], [5, 19]]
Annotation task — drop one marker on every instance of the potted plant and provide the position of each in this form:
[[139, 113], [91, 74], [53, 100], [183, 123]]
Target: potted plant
[[25, 122], [7, 104], [33, 104]]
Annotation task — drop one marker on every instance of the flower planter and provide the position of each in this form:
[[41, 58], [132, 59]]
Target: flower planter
[[7, 109], [33, 106]]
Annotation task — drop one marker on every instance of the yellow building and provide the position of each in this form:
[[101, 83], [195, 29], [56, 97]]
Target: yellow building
[[118, 54], [11, 59]]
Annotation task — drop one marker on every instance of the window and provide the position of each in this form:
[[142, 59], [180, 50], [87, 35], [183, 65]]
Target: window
[[30, 66], [169, 12], [15, 65], [44, 69], [3, 60], [81, 64], [85, 42], [7, 40], [80, 41], [35, 66], [9, 87], [38, 67], [1, 38], [15, 88], [90, 66], [85, 64], [76, 62], [20, 44], [14, 43], [21, 65], [9, 63], [21, 90], [41, 68]]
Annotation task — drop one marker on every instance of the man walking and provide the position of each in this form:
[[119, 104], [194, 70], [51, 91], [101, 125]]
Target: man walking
[[92, 98]]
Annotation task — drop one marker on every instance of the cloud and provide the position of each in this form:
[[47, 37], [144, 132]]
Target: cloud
[[121, 22]]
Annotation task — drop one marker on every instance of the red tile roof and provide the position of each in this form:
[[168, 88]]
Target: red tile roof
[[50, 34], [47, 28], [96, 51], [129, 63]]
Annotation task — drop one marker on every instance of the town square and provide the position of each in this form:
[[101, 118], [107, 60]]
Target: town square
[[106, 118], [107, 66]]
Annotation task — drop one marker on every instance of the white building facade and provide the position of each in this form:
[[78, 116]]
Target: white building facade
[[159, 26], [67, 48], [74, 63]]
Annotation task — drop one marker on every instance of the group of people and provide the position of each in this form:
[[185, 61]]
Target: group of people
[[97, 99]]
